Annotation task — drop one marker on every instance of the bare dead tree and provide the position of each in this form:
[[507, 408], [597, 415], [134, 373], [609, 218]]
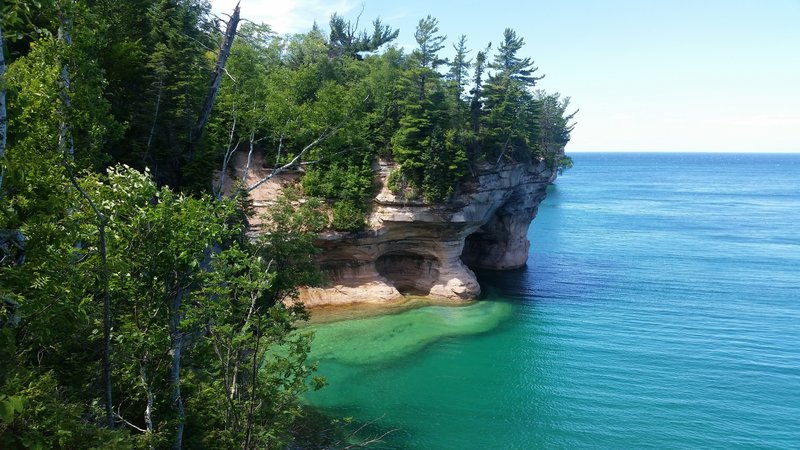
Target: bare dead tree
[[213, 88], [295, 162], [363, 442], [177, 335], [229, 152], [152, 133], [250, 156]]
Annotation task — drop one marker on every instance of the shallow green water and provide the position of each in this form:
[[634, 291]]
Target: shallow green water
[[383, 339], [660, 308]]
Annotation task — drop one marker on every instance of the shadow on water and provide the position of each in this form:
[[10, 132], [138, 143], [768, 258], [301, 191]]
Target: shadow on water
[[548, 278]]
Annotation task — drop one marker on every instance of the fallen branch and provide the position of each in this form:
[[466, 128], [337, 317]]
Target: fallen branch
[[297, 160], [368, 441], [122, 419]]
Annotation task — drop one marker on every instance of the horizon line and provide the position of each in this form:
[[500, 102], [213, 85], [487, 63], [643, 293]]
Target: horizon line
[[567, 151]]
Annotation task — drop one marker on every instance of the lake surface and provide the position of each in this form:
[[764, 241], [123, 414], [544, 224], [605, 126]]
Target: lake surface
[[660, 307]]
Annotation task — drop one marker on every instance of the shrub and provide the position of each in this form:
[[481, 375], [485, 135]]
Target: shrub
[[347, 216]]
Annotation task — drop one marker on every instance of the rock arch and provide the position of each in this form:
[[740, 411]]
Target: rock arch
[[502, 242]]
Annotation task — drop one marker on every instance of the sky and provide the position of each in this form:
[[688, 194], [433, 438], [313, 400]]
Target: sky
[[656, 75]]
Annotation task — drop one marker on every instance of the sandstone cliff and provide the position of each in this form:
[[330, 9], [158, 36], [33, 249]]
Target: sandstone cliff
[[413, 248]]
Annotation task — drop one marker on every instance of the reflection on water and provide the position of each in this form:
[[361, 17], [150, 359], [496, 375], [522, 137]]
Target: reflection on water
[[359, 336]]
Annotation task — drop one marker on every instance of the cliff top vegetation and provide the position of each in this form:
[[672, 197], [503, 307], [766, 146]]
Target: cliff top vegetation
[[357, 98]]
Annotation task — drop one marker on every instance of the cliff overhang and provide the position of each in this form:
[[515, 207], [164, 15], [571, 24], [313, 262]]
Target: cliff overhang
[[412, 248]]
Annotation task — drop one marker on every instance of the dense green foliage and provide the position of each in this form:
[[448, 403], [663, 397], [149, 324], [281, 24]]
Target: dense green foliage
[[409, 108], [134, 310], [237, 351], [201, 351]]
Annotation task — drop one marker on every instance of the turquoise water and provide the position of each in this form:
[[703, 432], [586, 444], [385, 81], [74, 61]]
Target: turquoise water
[[660, 307]]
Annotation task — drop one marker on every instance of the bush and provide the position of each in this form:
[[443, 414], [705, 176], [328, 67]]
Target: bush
[[347, 216], [340, 181]]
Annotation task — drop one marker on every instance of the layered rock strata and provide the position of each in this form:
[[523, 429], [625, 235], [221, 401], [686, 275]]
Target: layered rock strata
[[411, 248]]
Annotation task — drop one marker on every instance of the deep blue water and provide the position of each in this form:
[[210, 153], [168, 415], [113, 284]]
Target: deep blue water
[[660, 307]]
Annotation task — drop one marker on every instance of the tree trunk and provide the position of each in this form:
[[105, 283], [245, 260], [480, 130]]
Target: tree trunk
[[148, 410], [104, 284], [205, 113], [67, 147], [101, 227], [3, 114], [253, 389], [155, 119], [175, 371]]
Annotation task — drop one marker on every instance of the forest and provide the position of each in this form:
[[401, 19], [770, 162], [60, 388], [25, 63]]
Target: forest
[[136, 311]]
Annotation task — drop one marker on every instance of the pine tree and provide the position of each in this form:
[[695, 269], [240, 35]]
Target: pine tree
[[510, 119], [426, 55], [476, 101], [428, 144], [507, 62], [460, 66], [346, 40]]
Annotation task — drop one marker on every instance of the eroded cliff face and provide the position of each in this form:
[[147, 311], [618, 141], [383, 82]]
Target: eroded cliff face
[[411, 248], [428, 250]]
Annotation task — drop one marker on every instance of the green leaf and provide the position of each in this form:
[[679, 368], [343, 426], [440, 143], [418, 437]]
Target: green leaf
[[17, 403], [6, 411]]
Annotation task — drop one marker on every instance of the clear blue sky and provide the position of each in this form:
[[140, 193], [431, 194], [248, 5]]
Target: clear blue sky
[[703, 75]]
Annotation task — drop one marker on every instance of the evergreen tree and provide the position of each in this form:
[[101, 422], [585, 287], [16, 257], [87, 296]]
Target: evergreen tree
[[431, 152], [426, 55], [511, 114], [476, 101], [346, 40], [507, 62], [457, 78], [460, 66]]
